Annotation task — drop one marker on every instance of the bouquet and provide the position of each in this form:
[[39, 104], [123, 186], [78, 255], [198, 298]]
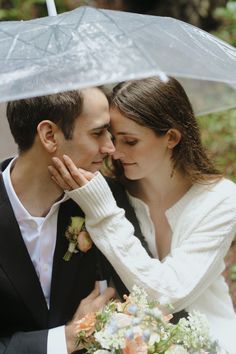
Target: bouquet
[[138, 326]]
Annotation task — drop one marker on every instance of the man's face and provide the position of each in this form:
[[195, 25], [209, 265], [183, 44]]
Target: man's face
[[91, 141]]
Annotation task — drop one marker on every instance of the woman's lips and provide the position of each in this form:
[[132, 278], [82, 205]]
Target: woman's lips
[[128, 163]]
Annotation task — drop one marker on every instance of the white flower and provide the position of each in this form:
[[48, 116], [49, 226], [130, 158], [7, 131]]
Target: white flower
[[154, 338], [110, 340], [139, 297], [195, 331], [122, 320], [101, 351], [155, 312], [177, 349]]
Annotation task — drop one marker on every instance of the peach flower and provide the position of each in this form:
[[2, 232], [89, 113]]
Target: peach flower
[[84, 242], [135, 346], [87, 324]]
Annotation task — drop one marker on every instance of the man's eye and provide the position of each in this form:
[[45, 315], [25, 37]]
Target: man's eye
[[99, 133]]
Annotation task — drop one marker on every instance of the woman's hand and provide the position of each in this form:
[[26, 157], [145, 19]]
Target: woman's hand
[[66, 175]]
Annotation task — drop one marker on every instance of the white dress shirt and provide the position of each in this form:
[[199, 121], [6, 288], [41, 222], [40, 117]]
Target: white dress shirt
[[39, 235]]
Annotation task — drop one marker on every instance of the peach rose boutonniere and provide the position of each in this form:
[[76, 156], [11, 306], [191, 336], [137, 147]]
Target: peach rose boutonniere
[[78, 237]]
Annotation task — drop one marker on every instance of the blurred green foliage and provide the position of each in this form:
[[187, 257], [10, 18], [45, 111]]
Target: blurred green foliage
[[233, 272], [27, 9], [219, 129], [227, 17], [21, 10], [219, 137]]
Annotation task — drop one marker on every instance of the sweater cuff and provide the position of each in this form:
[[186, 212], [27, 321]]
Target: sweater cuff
[[95, 198]]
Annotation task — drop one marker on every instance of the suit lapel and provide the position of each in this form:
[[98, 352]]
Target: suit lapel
[[15, 260], [64, 272]]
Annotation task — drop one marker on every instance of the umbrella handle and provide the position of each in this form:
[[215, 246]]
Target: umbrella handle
[[52, 11]]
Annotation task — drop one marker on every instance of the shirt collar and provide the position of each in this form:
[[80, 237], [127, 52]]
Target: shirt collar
[[20, 212]]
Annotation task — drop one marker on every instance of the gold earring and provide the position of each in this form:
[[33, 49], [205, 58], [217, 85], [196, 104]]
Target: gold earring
[[172, 172]]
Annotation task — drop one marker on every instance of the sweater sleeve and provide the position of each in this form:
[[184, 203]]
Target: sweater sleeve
[[185, 273]]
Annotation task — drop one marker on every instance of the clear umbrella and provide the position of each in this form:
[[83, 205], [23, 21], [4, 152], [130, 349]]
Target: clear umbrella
[[89, 46]]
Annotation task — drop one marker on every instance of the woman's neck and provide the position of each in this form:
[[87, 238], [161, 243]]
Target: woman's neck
[[163, 192]]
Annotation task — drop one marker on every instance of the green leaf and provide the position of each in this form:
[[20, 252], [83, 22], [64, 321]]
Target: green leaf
[[233, 272]]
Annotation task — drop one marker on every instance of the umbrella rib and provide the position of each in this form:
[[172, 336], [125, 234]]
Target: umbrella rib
[[142, 27], [22, 41], [134, 43], [76, 27], [60, 19], [176, 38], [205, 49], [195, 50], [81, 17], [12, 46]]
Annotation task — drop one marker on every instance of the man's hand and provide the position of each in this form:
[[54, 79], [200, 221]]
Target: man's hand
[[92, 303]]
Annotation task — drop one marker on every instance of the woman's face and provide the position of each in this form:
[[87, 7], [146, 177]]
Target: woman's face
[[140, 151]]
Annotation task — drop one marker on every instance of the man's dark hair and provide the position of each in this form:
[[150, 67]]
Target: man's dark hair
[[25, 115]]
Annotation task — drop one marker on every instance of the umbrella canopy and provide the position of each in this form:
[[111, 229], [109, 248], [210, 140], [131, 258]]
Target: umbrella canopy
[[88, 46]]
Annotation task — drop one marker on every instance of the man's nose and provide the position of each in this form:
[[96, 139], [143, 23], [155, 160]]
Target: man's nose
[[108, 146]]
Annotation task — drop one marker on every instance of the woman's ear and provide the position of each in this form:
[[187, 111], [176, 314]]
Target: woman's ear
[[47, 132], [174, 137]]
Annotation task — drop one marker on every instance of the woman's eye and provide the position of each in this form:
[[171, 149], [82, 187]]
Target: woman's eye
[[131, 142]]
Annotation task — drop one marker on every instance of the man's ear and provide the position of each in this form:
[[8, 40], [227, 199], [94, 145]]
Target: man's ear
[[48, 135], [174, 137]]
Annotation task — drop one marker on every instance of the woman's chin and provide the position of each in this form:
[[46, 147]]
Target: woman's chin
[[131, 176]]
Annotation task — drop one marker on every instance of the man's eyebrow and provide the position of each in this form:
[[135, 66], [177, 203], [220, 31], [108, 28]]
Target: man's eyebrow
[[104, 126], [125, 133]]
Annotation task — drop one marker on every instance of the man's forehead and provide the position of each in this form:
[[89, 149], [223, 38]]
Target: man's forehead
[[93, 93], [94, 99]]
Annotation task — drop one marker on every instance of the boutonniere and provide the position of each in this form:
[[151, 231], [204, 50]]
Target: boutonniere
[[78, 237]]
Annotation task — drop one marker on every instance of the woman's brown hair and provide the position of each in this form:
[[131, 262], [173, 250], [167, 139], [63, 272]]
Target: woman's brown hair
[[161, 105]]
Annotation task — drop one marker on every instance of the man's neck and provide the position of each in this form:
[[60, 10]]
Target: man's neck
[[33, 185]]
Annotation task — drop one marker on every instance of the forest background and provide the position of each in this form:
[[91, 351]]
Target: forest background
[[215, 16]]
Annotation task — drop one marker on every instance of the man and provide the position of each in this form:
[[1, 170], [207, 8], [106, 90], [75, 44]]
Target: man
[[41, 293]]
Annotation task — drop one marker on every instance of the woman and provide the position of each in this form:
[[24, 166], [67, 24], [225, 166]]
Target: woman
[[186, 209]]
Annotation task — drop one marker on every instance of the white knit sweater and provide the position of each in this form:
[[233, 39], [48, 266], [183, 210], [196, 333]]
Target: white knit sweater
[[203, 224]]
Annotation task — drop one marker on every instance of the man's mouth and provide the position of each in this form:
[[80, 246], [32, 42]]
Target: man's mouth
[[98, 162]]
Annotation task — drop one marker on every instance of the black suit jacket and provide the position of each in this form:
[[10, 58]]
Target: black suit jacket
[[24, 316]]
